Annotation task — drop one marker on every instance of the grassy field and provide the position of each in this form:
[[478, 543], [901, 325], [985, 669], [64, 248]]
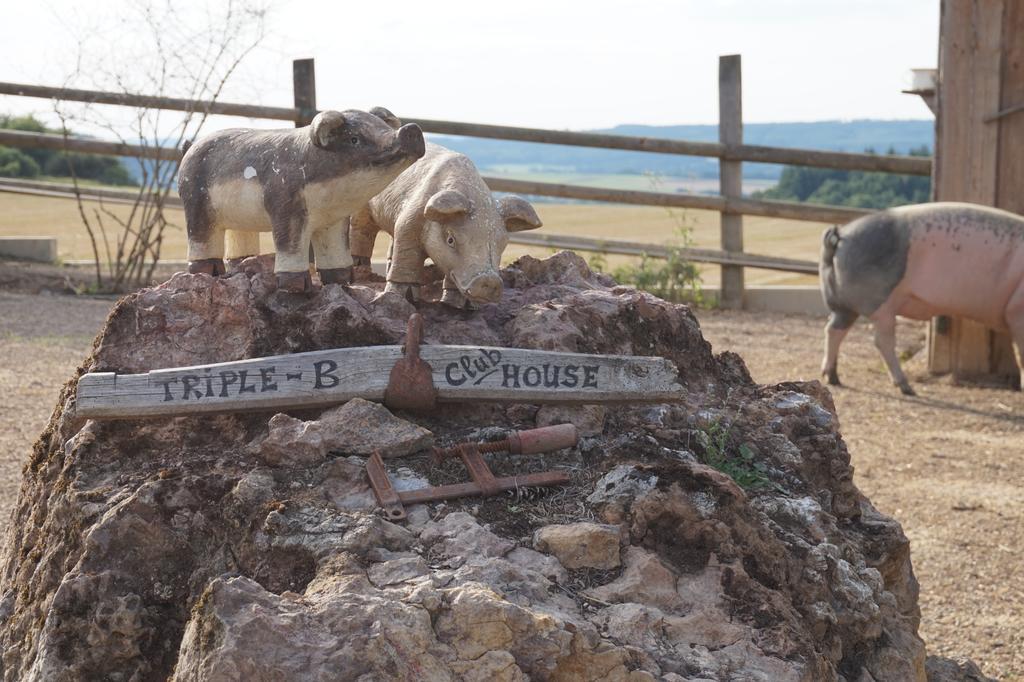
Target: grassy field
[[27, 215]]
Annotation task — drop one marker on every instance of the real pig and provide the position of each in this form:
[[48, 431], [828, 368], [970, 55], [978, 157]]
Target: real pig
[[918, 262]]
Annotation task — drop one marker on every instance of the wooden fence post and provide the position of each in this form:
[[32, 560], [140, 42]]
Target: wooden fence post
[[304, 86], [730, 132], [304, 91]]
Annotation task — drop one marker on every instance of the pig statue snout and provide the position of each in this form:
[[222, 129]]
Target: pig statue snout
[[485, 288], [410, 139]]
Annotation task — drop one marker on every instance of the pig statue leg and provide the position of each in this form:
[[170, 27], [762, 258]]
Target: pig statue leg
[[206, 256], [836, 329], [333, 260], [291, 264], [362, 236], [885, 342], [405, 264], [239, 246]]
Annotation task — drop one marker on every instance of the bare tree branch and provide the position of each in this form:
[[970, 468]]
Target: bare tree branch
[[179, 53]]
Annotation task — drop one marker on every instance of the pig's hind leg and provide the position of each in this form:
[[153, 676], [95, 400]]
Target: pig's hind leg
[[836, 329], [206, 257], [206, 254], [1015, 321], [205, 238], [884, 321]]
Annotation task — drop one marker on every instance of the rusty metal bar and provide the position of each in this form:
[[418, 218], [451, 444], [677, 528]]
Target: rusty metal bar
[[387, 496], [456, 490], [478, 469]]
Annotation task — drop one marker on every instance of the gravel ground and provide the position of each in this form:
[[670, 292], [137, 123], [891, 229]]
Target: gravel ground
[[948, 464], [43, 339]]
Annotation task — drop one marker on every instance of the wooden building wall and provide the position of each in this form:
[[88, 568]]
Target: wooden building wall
[[979, 153]]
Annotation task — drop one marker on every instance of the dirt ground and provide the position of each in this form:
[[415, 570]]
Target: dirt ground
[[948, 464]]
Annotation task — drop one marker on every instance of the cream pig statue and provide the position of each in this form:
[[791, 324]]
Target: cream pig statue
[[441, 208]]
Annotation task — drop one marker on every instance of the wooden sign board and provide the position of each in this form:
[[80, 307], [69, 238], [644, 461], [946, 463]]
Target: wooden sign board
[[460, 373]]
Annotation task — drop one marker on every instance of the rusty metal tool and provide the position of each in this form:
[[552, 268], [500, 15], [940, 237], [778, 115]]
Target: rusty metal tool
[[529, 442], [387, 496], [484, 483], [411, 383]]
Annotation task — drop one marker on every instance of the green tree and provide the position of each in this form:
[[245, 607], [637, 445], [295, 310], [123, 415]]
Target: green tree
[[29, 124], [850, 188], [14, 164], [105, 169]]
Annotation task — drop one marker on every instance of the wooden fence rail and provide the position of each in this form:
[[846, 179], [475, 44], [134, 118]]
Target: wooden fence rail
[[772, 209], [628, 248], [20, 138], [790, 210], [907, 165]]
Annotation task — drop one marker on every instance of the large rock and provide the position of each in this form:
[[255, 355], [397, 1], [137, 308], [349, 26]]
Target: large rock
[[580, 545], [291, 442], [248, 546], [359, 427]]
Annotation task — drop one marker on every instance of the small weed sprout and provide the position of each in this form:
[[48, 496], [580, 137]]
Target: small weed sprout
[[598, 262], [738, 463]]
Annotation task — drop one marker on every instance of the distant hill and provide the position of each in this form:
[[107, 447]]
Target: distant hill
[[854, 136]]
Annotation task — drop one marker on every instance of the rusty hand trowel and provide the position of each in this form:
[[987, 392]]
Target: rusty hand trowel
[[411, 384]]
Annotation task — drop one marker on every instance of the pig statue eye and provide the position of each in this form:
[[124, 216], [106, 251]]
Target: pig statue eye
[[354, 140], [450, 239]]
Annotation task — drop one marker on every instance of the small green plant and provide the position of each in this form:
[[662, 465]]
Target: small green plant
[[598, 262], [740, 465], [674, 278]]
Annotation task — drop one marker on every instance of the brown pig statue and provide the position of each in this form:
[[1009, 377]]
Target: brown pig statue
[[441, 208], [299, 184]]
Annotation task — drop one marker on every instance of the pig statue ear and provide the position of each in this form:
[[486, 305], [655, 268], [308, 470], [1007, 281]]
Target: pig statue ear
[[386, 116], [518, 214], [324, 126], [446, 205]]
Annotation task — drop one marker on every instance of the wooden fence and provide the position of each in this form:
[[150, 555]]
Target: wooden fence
[[730, 151]]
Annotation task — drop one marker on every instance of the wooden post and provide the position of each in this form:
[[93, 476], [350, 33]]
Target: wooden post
[[304, 86], [977, 155], [730, 132], [304, 92]]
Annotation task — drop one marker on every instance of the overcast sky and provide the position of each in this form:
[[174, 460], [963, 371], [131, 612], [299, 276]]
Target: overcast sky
[[546, 63]]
